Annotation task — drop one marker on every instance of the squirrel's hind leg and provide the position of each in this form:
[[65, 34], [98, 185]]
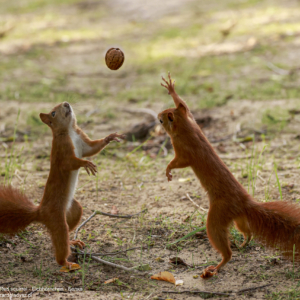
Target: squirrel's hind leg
[[242, 225], [217, 231], [73, 217], [59, 233], [74, 214]]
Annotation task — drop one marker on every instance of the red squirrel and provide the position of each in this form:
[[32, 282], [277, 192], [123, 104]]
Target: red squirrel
[[58, 210], [274, 224]]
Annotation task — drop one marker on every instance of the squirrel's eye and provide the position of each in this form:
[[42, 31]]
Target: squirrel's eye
[[170, 119], [53, 114]]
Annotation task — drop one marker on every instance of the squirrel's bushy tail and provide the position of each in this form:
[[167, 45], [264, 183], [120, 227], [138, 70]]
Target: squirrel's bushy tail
[[276, 224], [16, 210]]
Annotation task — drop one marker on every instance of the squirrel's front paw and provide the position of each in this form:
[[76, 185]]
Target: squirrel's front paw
[[170, 85], [115, 137], [90, 167], [78, 243], [169, 175]]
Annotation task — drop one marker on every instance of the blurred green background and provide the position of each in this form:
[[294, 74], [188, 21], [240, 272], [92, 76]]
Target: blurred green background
[[53, 51]]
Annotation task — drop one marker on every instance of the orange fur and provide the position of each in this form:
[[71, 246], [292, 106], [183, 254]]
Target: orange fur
[[58, 211], [275, 224]]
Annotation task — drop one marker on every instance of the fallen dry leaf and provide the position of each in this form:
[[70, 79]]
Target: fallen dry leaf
[[114, 210], [164, 276], [65, 269], [167, 276], [111, 280]]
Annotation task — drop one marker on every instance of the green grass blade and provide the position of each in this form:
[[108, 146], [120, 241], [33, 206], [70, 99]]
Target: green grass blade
[[278, 183], [188, 235]]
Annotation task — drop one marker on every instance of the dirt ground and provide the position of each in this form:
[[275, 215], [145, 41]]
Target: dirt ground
[[258, 141], [132, 183]]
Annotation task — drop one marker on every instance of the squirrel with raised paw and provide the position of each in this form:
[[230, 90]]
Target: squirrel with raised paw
[[58, 210], [274, 224]]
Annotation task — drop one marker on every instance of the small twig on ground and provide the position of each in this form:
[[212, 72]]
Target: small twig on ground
[[107, 262], [216, 293], [10, 282], [113, 253], [253, 288], [188, 196], [83, 223], [196, 292], [97, 212], [31, 293]]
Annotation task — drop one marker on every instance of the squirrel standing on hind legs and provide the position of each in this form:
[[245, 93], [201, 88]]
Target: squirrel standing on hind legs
[[58, 210], [274, 224]]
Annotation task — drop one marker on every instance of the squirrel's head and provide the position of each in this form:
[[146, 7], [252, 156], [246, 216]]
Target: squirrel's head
[[174, 118], [61, 117]]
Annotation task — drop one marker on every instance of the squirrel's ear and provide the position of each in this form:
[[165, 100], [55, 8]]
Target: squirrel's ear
[[170, 116], [182, 108], [45, 118]]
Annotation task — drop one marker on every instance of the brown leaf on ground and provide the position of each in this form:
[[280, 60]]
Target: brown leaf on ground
[[164, 276], [111, 280], [114, 210]]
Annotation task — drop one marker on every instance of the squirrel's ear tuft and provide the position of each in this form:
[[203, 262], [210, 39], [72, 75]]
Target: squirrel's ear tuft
[[45, 118], [182, 108]]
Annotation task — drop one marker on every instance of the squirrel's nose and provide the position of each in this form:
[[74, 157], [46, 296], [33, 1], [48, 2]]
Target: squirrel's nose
[[66, 104]]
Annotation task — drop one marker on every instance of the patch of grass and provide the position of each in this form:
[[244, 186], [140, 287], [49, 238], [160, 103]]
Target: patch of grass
[[11, 157], [33, 5], [292, 293], [275, 119]]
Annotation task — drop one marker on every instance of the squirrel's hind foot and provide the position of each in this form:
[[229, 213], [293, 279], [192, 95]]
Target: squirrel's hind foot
[[209, 272], [69, 267]]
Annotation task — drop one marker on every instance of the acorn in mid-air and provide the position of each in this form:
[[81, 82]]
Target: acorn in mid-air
[[114, 58]]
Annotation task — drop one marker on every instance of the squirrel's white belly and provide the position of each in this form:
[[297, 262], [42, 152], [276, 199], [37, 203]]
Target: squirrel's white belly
[[77, 143], [72, 187]]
